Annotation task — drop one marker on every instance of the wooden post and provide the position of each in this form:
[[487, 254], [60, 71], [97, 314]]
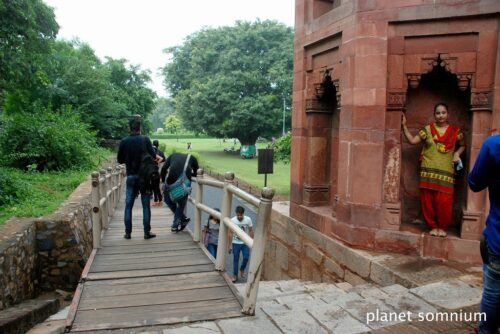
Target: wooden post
[[96, 220], [109, 192], [259, 246], [122, 181], [102, 192], [197, 212], [115, 184], [225, 211]]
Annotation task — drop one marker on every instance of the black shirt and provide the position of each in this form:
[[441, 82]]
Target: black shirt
[[175, 164], [131, 150]]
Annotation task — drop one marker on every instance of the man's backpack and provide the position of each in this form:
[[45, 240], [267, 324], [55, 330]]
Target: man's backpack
[[148, 171]]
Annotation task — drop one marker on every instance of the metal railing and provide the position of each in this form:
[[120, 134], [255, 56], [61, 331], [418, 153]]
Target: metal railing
[[107, 186], [257, 244]]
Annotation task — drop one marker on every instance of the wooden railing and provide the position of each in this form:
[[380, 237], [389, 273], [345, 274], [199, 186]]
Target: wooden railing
[[257, 244], [107, 186]]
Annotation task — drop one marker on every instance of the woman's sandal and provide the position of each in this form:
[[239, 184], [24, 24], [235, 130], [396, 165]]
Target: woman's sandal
[[434, 232]]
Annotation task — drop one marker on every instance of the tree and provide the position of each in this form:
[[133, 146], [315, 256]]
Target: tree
[[172, 124], [164, 107], [27, 28], [230, 81]]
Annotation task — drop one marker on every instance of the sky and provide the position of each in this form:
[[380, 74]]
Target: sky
[[139, 30]]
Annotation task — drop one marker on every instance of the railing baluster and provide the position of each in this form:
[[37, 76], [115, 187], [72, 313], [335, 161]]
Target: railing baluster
[[96, 219], [223, 229], [109, 192], [197, 212], [258, 249], [103, 199]]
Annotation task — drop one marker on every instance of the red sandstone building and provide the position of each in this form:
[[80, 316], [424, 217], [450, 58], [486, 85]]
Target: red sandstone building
[[358, 65]]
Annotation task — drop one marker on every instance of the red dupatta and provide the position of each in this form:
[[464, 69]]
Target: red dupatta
[[447, 141]]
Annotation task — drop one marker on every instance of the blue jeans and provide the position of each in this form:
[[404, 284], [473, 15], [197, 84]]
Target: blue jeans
[[176, 208], [490, 303], [237, 248], [212, 248], [131, 192]]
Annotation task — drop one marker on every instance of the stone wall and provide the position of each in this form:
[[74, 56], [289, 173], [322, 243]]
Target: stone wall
[[18, 261], [297, 251], [46, 253]]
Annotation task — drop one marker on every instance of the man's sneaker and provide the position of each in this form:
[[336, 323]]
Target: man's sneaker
[[185, 220], [149, 235], [174, 229], [127, 235], [183, 224]]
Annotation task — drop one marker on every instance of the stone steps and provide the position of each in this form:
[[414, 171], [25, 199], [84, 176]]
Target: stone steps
[[21, 317]]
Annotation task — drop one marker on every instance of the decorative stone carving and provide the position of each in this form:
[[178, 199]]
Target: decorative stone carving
[[481, 101], [428, 64], [414, 80], [396, 101], [391, 216], [449, 63], [313, 105], [464, 81], [472, 225], [316, 194]]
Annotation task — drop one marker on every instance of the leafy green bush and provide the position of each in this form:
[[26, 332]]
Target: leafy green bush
[[283, 148], [11, 188], [46, 140]]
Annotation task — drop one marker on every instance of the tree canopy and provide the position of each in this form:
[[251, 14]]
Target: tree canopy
[[231, 81], [63, 89]]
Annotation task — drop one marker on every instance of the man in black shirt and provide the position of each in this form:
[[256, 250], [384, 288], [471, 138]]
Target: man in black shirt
[[130, 152], [175, 166]]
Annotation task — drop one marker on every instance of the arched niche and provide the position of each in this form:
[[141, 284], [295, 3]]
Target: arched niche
[[424, 91]]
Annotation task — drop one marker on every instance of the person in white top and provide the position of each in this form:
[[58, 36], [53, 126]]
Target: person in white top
[[237, 245]]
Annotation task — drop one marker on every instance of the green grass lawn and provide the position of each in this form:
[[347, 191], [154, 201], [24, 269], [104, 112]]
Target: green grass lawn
[[41, 193], [213, 157]]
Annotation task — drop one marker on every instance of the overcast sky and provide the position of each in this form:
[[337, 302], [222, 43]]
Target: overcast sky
[[139, 30]]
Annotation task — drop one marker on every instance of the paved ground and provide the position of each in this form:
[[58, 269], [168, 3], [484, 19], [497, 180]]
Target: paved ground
[[292, 306]]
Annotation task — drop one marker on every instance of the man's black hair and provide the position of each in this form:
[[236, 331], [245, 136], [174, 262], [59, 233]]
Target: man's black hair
[[156, 143], [240, 209], [135, 124]]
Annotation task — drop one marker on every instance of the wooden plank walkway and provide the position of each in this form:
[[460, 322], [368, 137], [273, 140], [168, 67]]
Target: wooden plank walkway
[[166, 280]]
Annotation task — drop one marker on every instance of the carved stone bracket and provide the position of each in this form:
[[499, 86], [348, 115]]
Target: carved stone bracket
[[414, 80], [464, 81], [481, 101]]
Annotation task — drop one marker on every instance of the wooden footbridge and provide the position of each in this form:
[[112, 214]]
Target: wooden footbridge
[[166, 280]]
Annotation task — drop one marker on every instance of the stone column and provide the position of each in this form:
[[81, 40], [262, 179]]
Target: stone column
[[475, 213]]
